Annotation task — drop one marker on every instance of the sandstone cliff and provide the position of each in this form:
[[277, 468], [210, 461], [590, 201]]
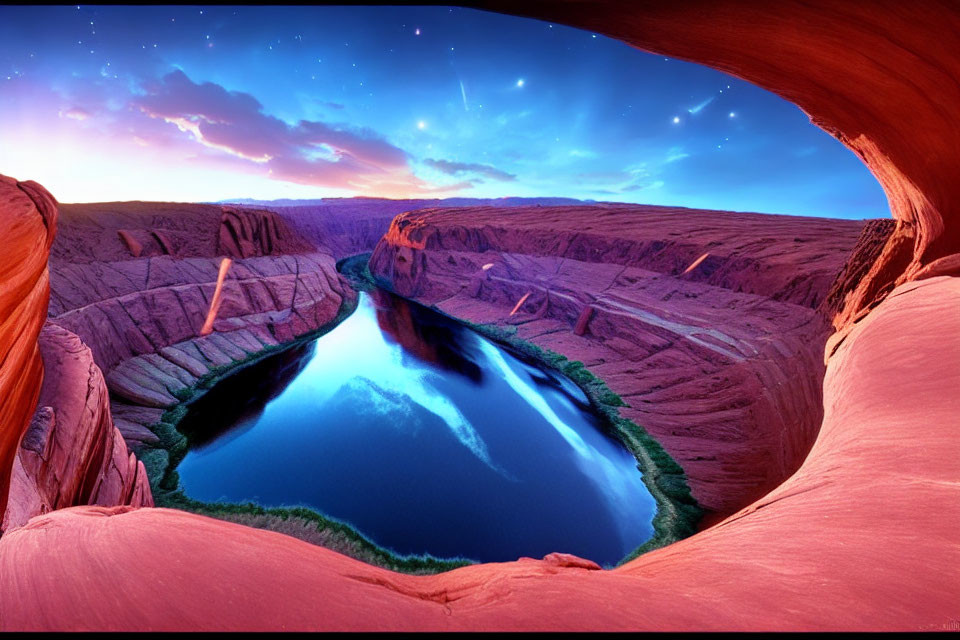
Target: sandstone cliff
[[880, 76], [70, 454], [719, 362], [862, 536], [142, 314]]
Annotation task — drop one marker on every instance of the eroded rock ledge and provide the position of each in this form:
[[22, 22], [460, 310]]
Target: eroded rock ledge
[[130, 287], [142, 317], [721, 362]]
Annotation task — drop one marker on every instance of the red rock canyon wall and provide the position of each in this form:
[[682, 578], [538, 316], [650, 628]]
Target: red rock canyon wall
[[721, 363], [861, 536], [28, 222]]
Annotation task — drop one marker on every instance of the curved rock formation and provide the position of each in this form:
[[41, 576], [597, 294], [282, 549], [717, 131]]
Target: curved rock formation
[[71, 453], [880, 76], [28, 222], [862, 536], [703, 321]]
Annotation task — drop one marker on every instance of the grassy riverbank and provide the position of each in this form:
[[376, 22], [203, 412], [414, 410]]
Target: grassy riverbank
[[677, 510], [300, 522]]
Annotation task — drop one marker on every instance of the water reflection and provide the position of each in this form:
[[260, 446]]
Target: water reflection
[[425, 334], [424, 436], [230, 408]]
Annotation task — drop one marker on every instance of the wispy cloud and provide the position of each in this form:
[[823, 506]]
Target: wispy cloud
[[307, 152], [458, 168], [676, 153], [74, 113]]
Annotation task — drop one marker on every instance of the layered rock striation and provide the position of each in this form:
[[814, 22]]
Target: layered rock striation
[[70, 453], [143, 316], [28, 222], [861, 536], [704, 322]]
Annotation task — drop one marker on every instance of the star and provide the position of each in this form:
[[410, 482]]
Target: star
[[520, 82], [421, 125], [732, 114], [676, 119], [417, 32]]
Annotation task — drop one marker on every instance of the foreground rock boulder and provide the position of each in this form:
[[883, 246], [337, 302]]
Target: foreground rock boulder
[[72, 454], [862, 536]]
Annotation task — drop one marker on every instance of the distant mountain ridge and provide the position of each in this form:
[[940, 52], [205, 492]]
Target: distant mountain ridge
[[445, 202]]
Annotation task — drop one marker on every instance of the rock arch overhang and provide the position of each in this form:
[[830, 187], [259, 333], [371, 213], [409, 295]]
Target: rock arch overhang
[[882, 76], [826, 550]]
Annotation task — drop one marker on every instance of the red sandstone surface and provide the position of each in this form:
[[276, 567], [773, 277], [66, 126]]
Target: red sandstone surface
[[71, 453], [28, 221], [861, 536], [720, 363]]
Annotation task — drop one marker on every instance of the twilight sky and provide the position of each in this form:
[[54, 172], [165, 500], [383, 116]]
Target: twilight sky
[[191, 103]]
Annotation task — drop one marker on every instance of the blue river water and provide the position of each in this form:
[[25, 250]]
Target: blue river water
[[424, 436]]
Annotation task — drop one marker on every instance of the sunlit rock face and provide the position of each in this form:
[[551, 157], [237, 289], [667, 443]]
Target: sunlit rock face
[[70, 453], [28, 221], [705, 322]]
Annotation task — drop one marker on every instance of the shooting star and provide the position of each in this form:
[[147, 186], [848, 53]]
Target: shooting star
[[463, 92], [697, 109]]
